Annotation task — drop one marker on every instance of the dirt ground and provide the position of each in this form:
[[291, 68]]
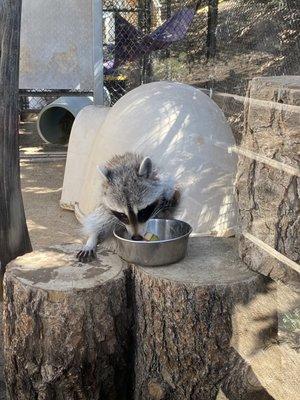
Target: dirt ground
[[42, 183], [48, 224]]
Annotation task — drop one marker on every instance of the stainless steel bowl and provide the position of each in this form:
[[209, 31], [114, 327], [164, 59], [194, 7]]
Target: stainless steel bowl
[[170, 248]]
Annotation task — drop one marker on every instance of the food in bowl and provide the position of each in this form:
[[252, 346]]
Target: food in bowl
[[151, 237]]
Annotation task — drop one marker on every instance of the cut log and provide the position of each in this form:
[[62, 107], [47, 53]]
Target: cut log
[[185, 324], [69, 331], [268, 197], [65, 327]]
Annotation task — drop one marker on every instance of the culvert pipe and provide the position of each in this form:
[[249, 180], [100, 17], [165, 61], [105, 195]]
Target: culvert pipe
[[56, 119]]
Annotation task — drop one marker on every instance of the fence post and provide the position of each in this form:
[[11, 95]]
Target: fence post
[[97, 15], [212, 22], [147, 59]]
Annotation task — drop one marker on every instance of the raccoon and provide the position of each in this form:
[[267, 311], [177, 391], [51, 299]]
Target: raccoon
[[132, 193]]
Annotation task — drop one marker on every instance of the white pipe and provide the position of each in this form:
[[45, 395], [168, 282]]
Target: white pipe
[[56, 119]]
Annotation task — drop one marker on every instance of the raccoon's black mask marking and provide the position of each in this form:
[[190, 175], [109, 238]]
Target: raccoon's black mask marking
[[142, 216], [146, 213], [121, 217]]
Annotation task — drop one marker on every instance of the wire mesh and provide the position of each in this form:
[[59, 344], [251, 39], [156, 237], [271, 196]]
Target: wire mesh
[[226, 43], [139, 45], [35, 103], [212, 44]]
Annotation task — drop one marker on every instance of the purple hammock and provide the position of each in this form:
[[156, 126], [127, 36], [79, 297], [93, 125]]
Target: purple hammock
[[131, 43]]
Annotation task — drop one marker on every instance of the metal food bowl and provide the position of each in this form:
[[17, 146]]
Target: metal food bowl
[[171, 247]]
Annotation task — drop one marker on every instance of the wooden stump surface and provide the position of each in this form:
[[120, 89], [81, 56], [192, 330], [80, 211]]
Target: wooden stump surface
[[106, 330], [65, 327], [184, 325]]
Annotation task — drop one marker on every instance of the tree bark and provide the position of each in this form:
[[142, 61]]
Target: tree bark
[[212, 23], [184, 327], [14, 238], [268, 197], [106, 331], [66, 327]]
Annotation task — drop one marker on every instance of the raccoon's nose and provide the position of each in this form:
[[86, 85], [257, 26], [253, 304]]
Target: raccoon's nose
[[137, 237]]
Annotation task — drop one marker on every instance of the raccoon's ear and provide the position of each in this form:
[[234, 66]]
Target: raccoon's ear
[[145, 167], [104, 172]]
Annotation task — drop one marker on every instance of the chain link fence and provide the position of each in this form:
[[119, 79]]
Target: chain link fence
[[217, 45], [220, 45], [149, 40], [144, 40], [35, 102]]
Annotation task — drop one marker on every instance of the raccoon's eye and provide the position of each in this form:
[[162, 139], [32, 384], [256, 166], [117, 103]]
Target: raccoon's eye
[[121, 217], [146, 213]]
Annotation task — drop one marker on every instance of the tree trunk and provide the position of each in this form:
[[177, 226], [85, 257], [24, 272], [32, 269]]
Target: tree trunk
[[105, 331], [212, 23], [66, 327], [184, 316], [14, 239], [268, 197]]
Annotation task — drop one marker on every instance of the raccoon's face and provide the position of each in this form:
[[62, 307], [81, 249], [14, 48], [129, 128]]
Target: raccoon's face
[[133, 194]]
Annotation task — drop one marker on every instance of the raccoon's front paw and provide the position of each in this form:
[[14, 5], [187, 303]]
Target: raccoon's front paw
[[87, 254]]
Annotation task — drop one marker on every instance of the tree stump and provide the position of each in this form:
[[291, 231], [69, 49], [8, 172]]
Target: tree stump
[[65, 327], [105, 331], [184, 326], [268, 197]]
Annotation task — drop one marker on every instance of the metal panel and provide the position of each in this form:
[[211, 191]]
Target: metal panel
[[57, 45]]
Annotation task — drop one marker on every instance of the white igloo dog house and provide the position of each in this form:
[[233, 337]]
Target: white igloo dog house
[[186, 135]]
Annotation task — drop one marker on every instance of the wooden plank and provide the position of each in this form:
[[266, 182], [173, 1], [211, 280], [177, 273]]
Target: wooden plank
[[265, 160], [272, 252]]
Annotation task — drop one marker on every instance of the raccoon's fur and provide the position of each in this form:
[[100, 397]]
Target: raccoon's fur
[[132, 192]]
